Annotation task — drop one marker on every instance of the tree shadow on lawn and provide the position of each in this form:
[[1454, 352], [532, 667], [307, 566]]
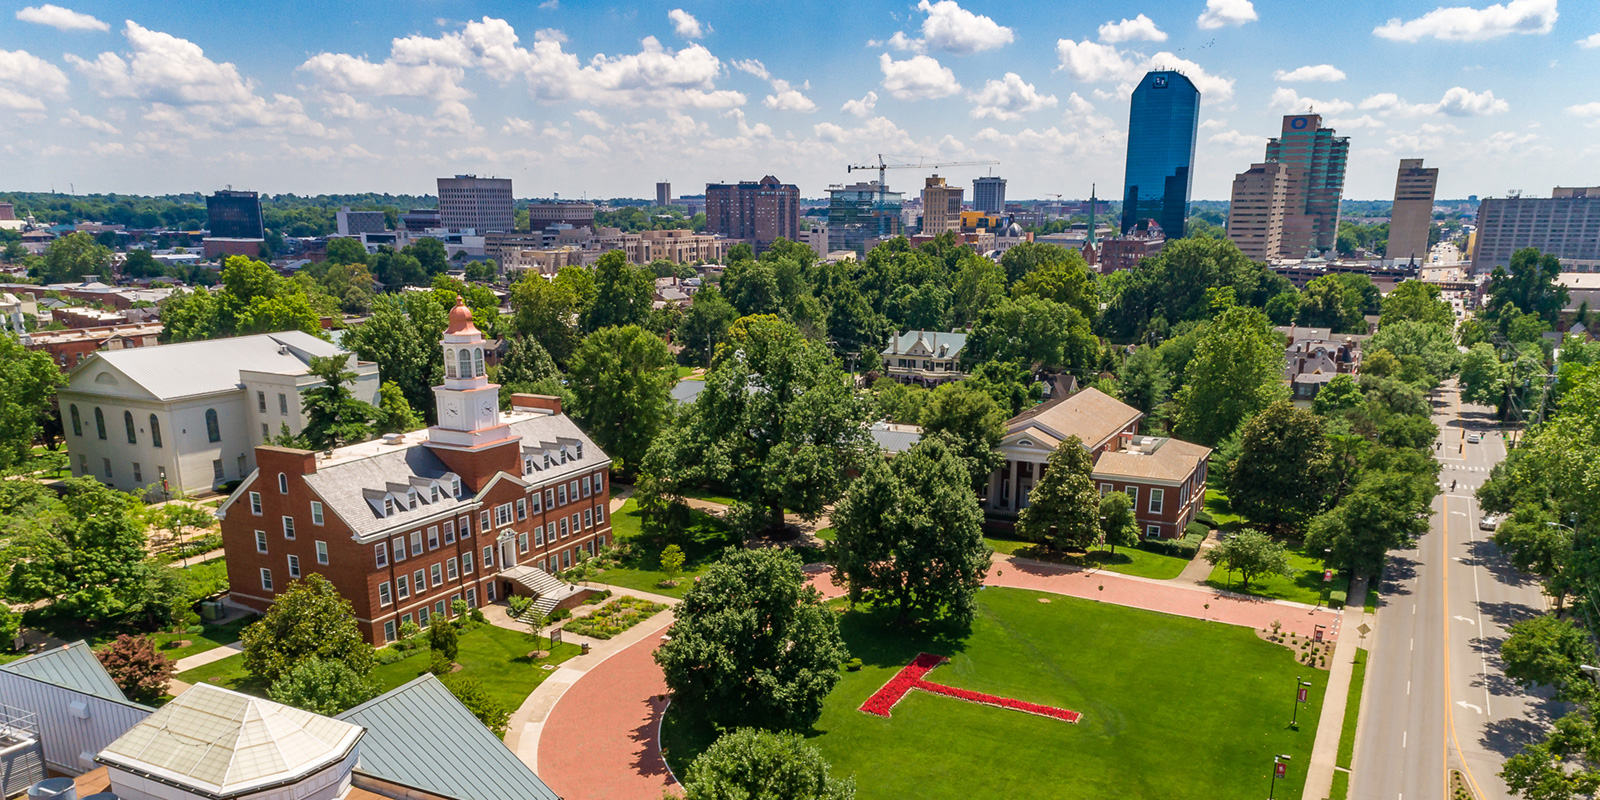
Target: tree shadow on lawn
[[702, 542]]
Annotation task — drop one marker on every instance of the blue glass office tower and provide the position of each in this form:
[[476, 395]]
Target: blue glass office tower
[[1162, 122]]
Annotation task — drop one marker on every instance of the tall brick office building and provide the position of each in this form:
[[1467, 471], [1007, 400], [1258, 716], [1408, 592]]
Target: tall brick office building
[[482, 504]]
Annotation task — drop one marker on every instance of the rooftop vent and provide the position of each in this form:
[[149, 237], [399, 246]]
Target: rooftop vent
[[393, 438]]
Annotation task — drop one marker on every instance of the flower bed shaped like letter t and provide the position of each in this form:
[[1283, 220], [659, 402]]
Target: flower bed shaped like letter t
[[883, 701]]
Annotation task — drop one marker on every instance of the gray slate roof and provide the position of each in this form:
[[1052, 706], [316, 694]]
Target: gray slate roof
[[420, 736], [72, 666], [893, 441], [686, 391], [190, 369], [954, 342]]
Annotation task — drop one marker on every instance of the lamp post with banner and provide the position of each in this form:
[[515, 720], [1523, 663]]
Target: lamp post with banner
[[1280, 769], [1302, 691]]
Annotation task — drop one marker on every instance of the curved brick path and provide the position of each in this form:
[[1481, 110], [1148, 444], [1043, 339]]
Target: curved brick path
[[599, 742]]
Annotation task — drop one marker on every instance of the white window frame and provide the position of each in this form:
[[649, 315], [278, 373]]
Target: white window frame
[[522, 509], [522, 543], [402, 586], [435, 575], [561, 495], [488, 557], [388, 630], [576, 521], [419, 581], [294, 566], [283, 483], [483, 521], [585, 484], [380, 554], [261, 541], [600, 515], [385, 595], [1152, 531], [452, 570], [266, 579], [399, 548], [538, 536], [449, 531], [1158, 501], [564, 532], [416, 543], [433, 537], [538, 501], [288, 527], [502, 515], [549, 498], [255, 503], [322, 552], [588, 518], [466, 563], [316, 512], [1133, 494]]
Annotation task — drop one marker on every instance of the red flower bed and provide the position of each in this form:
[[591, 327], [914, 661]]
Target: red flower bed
[[883, 701]]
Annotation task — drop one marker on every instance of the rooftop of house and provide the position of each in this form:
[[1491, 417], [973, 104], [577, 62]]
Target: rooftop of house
[[72, 666], [192, 369], [1091, 415], [227, 744], [937, 344], [894, 439], [1152, 458]]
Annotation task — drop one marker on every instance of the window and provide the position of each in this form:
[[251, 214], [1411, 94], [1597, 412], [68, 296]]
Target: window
[[502, 515], [261, 541], [455, 489], [451, 570], [563, 528], [488, 558], [266, 579], [266, 437], [155, 431], [490, 592], [472, 597], [411, 499], [388, 630], [599, 515], [322, 552], [483, 521], [1105, 489], [388, 505], [261, 401], [449, 364], [1152, 531], [294, 566], [316, 513], [465, 524], [561, 495], [566, 559], [216, 470], [419, 581], [585, 486], [1157, 496], [213, 428], [399, 549], [550, 498], [438, 607], [588, 518], [466, 563], [534, 499], [404, 618], [138, 474], [538, 536], [99, 423], [433, 492], [575, 520], [599, 483], [433, 537], [127, 422], [288, 527], [477, 361], [1133, 495], [573, 489], [255, 503], [381, 553], [385, 595], [416, 543], [436, 575], [402, 585], [283, 403], [449, 532], [522, 542], [77, 422], [422, 616], [522, 509], [283, 483], [465, 360]]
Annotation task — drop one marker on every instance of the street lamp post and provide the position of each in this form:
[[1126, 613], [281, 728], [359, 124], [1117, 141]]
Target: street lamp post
[[1300, 691], [1280, 769]]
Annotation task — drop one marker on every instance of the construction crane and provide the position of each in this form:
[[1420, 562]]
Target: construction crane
[[921, 164]]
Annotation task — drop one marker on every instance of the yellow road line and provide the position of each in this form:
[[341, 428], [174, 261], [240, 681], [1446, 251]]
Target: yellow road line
[[1449, 713]]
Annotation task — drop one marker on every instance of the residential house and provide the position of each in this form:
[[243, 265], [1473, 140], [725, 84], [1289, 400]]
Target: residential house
[[1165, 477], [925, 358], [1314, 356]]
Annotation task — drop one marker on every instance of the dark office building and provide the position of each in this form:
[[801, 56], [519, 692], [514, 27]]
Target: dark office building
[[758, 212], [1162, 122], [234, 215], [989, 195]]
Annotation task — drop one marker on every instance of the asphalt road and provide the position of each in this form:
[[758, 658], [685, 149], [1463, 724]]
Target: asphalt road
[[1435, 698]]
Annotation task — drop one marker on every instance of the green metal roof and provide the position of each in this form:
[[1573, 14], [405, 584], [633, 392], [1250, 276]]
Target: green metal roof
[[72, 666], [420, 736]]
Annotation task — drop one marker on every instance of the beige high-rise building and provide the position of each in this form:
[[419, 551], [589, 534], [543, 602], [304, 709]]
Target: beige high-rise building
[[1258, 211], [1412, 216], [468, 202], [941, 206]]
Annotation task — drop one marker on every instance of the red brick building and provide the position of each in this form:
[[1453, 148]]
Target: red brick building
[[1165, 478], [754, 211], [69, 347], [479, 506]]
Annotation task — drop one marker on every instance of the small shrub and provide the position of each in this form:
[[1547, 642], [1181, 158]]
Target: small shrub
[[1336, 599], [854, 665], [137, 668], [560, 614], [389, 655], [1180, 548], [440, 664], [195, 629]]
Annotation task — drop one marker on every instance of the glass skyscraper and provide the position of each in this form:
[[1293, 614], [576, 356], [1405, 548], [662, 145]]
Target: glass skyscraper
[[1162, 122]]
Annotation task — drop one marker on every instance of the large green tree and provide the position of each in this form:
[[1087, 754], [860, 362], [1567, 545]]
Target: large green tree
[[1384, 510], [752, 643], [1252, 554], [1484, 376], [751, 764], [322, 687], [1280, 478], [1530, 285], [1064, 508], [251, 299], [910, 534], [622, 293], [71, 257], [1416, 301], [778, 426], [88, 560], [1033, 330], [309, 619], [706, 323], [403, 338], [974, 422], [547, 311], [334, 417], [1118, 525], [1143, 380], [1237, 370], [623, 379], [28, 383]]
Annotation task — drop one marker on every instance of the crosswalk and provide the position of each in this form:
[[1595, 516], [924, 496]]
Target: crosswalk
[[1463, 468]]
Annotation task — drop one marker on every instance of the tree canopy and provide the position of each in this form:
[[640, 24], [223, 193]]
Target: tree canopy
[[1237, 370], [751, 764], [622, 379], [308, 619]]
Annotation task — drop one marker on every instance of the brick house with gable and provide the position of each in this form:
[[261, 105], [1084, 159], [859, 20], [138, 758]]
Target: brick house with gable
[[1164, 477], [483, 504]]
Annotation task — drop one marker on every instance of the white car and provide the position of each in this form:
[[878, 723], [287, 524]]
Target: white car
[[1489, 522], [1474, 437]]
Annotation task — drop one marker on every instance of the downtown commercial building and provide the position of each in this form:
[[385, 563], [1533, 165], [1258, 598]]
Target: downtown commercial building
[[989, 195], [758, 212], [234, 215], [1287, 207], [941, 206], [468, 202], [1566, 225], [861, 215], [1162, 122], [1412, 214]]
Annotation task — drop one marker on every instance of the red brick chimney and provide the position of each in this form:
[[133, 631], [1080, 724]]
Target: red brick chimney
[[547, 402]]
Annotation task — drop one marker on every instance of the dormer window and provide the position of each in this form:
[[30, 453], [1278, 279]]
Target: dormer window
[[434, 490], [563, 455], [546, 460], [456, 487], [579, 448], [388, 506], [411, 499], [527, 466]]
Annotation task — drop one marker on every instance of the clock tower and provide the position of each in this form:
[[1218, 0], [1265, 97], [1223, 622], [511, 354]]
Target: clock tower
[[468, 404]]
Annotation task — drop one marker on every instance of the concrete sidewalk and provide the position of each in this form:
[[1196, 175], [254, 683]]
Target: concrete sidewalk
[[210, 656], [1325, 750]]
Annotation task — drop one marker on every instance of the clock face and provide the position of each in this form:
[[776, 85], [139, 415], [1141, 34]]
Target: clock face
[[452, 412]]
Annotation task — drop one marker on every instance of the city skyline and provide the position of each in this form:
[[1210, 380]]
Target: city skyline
[[580, 99]]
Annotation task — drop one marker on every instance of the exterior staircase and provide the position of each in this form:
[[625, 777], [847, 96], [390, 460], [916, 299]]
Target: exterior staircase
[[547, 590]]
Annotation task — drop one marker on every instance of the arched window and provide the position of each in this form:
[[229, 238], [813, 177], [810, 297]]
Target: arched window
[[155, 431], [127, 422], [213, 430], [477, 362], [99, 422], [77, 422], [449, 363], [465, 370]]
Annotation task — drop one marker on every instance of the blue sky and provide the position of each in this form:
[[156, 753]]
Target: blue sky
[[603, 99]]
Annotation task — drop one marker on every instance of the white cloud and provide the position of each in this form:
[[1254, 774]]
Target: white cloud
[[1590, 42], [1092, 62], [863, 107], [593, 118], [1078, 141], [1507, 142], [685, 25], [1213, 124], [917, 78], [953, 29], [788, 98], [1354, 123], [26, 79], [1235, 139], [1008, 99], [1457, 102], [1320, 72], [64, 19], [753, 67], [550, 5], [1140, 28], [517, 126], [1415, 141], [1222, 13], [81, 120], [1462, 23], [1290, 101], [1077, 105]]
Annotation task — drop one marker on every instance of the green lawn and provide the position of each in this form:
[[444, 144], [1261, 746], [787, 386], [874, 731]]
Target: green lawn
[[1221, 510], [1341, 786], [826, 534], [210, 638], [497, 657], [1127, 560], [1352, 711], [1305, 586], [1173, 707], [642, 571], [709, 497]]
